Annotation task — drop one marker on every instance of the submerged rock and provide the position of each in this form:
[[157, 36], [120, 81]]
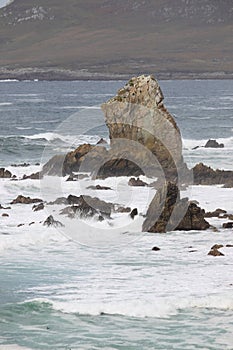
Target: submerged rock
[[133, 213], [215, 214], [215, 252], [136, 182], [228, 225], [38, 207], [51, 222], [213, 144], [168, 212]]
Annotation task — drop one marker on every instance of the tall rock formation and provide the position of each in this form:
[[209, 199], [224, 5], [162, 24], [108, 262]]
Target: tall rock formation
[[137, 114]]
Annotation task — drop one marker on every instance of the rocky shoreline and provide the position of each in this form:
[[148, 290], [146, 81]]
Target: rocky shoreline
[[63, 74], [144, 140]]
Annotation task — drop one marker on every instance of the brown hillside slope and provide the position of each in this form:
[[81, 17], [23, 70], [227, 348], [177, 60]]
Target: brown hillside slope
[[119, 36]]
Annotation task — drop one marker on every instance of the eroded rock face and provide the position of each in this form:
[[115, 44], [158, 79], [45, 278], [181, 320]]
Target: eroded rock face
[[205, 175], [137, 113], [5, 173], [26, 200], [168, 212]]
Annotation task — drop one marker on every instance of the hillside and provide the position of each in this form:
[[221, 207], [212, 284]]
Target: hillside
[[172, 38]]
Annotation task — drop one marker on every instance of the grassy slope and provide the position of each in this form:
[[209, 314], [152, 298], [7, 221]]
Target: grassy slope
[[119, 36]]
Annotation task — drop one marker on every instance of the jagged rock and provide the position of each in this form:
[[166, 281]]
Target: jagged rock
[[38, 207], [88, 155], [215, 252], [102, 142], [213, 144], [98, 187], [51, 222], [33, 176], [205, 175], [54, 166], [175, 213], [227, 225], [217, 246], [137, 113], [26, 200], [136, 182], [215, 214], [59, 201], [122, 210], [5, 174], [133, 213], [76, 177], [21, 165], [92, 205]]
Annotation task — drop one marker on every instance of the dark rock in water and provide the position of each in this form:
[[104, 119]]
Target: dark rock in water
[[5, 215], [31, 223], [228, 225], [228, 183], [5, 208], [136, 182], [54, 166], [133, 213], [38, 207], [102, 142], [87, 206], [59, 201], [19, 225], [213, 144], [89, 156], [196, 147], [122, 210], [21, 165], [51, 222], [175, 213], [205, 175], [215, 213], [155, 249], [33, 176], [229, 245], [215, 252], [98, 187], [26, 200], [5, 174], [119, 167], [217, 246]]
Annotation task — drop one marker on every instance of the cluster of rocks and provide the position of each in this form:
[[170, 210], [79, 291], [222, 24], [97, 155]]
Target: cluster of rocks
[[211, 144], [205, 175], [214, 251], [144, 140], [174, 213]]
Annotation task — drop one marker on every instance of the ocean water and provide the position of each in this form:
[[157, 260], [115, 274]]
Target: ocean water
[[96, 285]]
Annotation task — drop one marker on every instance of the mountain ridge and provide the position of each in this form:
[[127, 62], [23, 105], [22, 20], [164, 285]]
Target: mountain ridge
[[172, 38]]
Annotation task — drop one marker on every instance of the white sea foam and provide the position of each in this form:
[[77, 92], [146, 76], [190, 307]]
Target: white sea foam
[[155, 307], [5, 103]]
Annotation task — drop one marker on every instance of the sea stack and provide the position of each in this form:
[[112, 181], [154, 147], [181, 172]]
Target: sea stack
[[137, 113]]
